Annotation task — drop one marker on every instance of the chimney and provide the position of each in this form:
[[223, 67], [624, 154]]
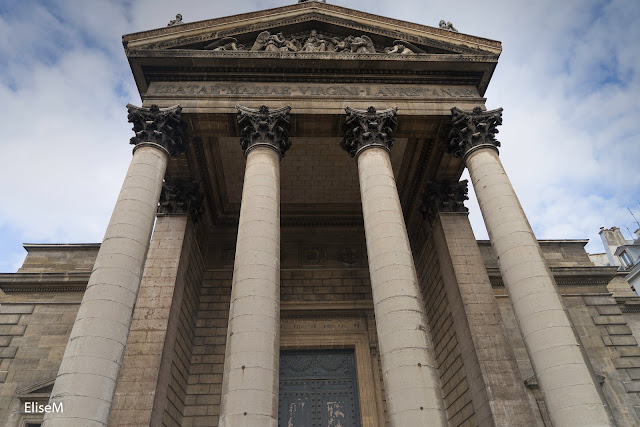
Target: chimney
[[611, 239]]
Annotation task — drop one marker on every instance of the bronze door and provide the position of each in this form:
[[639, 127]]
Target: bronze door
[[318, 389]]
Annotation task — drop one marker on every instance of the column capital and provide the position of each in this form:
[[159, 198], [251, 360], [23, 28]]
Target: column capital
[[181, 197], [265, 128], [370, 128], [443, 197], [471, 130], [161, 126]]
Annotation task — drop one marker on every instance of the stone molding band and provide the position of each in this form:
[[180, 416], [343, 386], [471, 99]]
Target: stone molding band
[[262, 127], [151, 144]]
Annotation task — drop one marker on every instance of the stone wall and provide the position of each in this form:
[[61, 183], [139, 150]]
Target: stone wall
[[34, 330], [204, 383], [606, 338]]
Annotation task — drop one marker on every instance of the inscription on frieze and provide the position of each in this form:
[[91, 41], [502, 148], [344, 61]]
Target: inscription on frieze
[[320, 325], [207, 89]]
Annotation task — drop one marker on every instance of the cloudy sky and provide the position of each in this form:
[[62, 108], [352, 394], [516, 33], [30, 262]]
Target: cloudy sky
[[568, 80]]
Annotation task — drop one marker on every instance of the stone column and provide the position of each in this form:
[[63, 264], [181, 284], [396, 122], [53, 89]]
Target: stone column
[[409, 370], [87, 377], [496, 386], [565, 379], [251, 366], [150, 358]]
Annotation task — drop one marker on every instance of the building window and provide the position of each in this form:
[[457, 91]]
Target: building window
[[627, 261]]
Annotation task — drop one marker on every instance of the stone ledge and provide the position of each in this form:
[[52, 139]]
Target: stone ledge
[[609, 320], [627, 362], [632, 387], [8, 308], [622, 340], [618, 330]]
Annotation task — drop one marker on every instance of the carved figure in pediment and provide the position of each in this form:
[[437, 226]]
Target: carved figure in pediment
[[292, 45], [267, 42], [361, 44], [274, 43], [226, 43], [337, 45], [177, 21], [402, 47], [315, 43]]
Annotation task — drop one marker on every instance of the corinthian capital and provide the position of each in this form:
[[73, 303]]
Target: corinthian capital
[[181, 197], [473, 129], [160, 126], [370, 128], [443, 197], [262, 127]]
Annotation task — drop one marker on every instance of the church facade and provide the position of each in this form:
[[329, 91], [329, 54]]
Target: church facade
[[290, 247]]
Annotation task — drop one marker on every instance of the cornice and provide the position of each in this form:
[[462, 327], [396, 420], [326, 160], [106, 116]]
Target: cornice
[[567, 276], [427, 57], [44, 282], [58, 246], [266, 18]]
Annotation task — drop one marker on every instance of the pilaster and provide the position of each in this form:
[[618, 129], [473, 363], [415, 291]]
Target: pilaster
[[153, 354], [498, 392]]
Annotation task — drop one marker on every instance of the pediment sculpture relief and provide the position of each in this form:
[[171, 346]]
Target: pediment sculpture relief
[[314, 42]]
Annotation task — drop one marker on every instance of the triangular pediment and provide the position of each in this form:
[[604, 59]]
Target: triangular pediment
[[312, 27], [41, 389]]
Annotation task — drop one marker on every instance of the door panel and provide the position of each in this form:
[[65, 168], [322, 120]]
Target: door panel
[[318, 389]]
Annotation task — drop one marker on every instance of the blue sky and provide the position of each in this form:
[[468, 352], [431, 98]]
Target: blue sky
[[568, 80]]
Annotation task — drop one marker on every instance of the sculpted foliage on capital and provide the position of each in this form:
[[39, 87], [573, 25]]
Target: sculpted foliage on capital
[[364, 129], [181, 197], [160, 126], [443, 197], [264, 127], [471, 129]]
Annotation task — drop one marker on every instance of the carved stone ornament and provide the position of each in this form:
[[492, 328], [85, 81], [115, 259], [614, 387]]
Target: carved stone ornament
[[471, 129], [447, 26], [312, 42], [181, 197], [364, 129], [262, 127], [443, 197], [177, 21], [160, 126], [349, 256]]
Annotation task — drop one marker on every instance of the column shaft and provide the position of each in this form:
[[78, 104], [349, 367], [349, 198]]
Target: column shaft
[[87, 377], [568, 387], [251, 375], [409, 369]]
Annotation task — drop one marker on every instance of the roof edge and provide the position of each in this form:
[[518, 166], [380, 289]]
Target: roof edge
[[198, 25]]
